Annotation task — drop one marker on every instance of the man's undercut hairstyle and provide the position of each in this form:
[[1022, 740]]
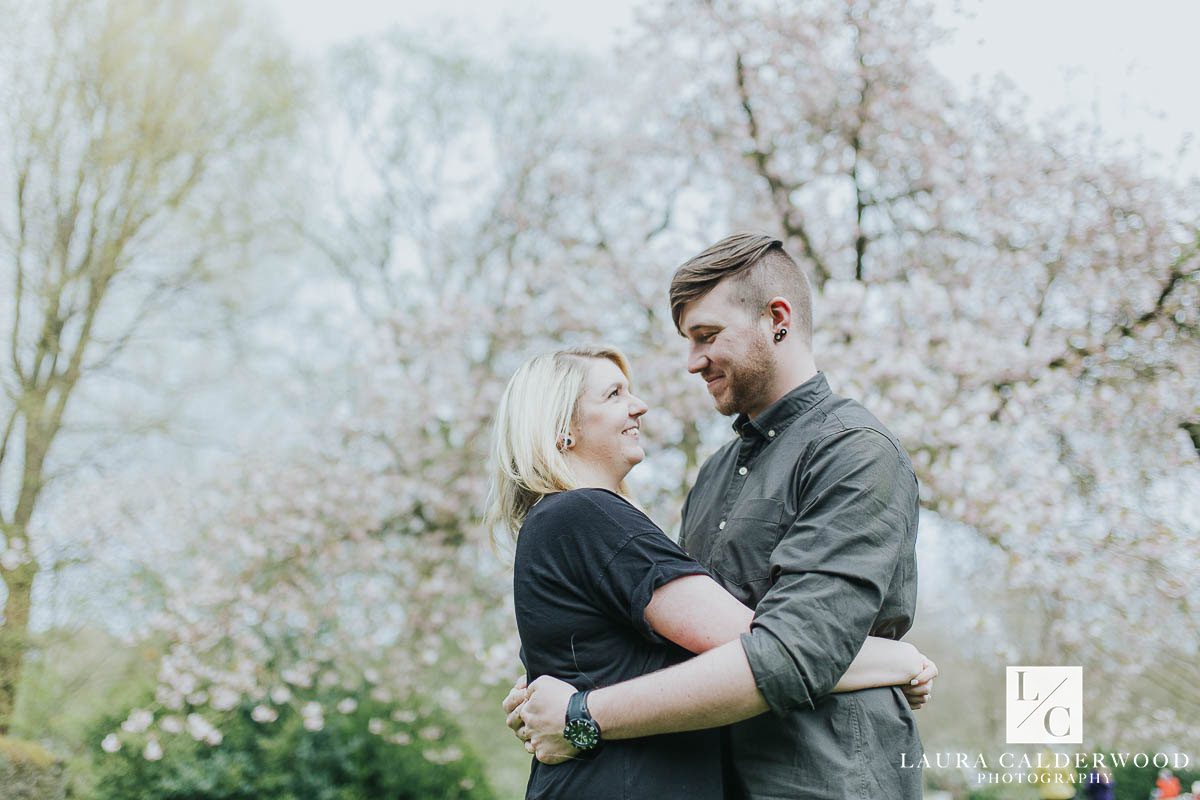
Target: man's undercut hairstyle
[[758, 268]]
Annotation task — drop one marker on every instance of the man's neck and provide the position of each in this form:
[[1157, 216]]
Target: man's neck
[[788, 376]]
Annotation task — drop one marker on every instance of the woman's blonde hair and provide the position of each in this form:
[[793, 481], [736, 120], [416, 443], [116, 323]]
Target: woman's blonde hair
[[535, 413]]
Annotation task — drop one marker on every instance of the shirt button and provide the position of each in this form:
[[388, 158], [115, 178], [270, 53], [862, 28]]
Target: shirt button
[[771, 434], [743, 471], [721, 527]]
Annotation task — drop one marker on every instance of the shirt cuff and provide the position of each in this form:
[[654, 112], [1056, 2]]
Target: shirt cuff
[[776, 673]]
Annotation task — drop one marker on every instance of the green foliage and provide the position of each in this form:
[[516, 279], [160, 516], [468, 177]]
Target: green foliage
[[75, 675], [1136, 783], [29, 772], [417, 758]]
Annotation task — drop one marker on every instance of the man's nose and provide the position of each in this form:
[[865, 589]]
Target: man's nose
[[696, 362]]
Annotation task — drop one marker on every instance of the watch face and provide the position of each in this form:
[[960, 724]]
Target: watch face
[[582, 733]]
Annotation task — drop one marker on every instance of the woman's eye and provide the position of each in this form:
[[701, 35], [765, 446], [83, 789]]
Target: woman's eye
[[614, 392]]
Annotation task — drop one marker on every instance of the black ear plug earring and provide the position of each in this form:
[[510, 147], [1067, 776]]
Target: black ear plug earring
[[779, 334]]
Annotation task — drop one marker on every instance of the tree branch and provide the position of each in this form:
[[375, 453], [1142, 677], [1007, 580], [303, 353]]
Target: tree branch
[[780, 190], [1192, 427]]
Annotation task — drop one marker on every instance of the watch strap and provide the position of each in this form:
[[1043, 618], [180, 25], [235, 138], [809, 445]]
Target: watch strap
[[577, 710]]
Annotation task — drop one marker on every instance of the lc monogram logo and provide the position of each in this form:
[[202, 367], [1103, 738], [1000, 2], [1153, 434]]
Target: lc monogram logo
[[1044, 705]]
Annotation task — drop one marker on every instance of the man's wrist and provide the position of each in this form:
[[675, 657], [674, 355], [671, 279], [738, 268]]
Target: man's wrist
[[599, 702], [580, 728]]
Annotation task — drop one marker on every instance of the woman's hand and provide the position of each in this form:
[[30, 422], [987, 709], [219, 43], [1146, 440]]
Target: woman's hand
[[919, 690], [512, 706]]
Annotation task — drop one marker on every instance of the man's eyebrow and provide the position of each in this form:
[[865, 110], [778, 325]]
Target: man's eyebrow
[[699, 325]]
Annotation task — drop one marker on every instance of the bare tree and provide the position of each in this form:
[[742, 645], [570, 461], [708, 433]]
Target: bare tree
[[136, 138]]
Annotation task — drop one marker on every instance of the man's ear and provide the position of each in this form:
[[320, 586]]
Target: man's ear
[[779, 309]]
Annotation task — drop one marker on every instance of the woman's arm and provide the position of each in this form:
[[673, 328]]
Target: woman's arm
[[885, 662], [695, 613]]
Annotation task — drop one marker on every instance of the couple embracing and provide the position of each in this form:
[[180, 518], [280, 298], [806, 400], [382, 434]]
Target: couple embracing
[[759, 657]]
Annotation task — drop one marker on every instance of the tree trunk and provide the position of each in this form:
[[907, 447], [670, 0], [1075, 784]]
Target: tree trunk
[[690, 445], [14, 636], [18, 581]]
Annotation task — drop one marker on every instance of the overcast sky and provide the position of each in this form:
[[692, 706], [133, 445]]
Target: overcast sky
[[1133, 64]]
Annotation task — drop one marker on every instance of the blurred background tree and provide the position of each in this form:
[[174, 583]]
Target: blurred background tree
[[133, 133]]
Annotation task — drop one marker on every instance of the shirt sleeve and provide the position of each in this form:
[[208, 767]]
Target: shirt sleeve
[[835, 564], [626, 558], [683, 515]]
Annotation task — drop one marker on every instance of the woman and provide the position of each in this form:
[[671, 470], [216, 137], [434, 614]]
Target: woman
[[601, 594]]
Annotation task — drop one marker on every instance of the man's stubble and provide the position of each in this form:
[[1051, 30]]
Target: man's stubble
[[750, 381]]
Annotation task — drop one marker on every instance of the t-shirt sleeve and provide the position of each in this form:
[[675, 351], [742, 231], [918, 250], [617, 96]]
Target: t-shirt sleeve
[[624, 557]]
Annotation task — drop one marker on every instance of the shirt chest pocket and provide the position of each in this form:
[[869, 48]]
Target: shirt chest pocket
[[742, 554]]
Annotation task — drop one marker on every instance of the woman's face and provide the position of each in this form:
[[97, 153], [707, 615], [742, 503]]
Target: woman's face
[[607, 420]]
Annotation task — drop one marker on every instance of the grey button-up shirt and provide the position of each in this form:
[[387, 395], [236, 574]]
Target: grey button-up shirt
[[809, 516]]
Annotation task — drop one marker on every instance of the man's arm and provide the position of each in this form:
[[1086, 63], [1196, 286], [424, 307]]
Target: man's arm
[[834, 568], [713, 689]]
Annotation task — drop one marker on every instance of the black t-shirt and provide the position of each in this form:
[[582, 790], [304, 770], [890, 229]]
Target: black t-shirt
[[587, 564]]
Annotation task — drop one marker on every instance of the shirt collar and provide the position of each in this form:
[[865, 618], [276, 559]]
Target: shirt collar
[[784, 411]]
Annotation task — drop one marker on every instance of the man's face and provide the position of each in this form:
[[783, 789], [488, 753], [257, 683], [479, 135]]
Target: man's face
[[728, 348]]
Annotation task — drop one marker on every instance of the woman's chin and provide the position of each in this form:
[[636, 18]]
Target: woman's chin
[[632, 459]]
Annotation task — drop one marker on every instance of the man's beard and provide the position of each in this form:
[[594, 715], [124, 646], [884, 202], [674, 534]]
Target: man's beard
[[749, 383]]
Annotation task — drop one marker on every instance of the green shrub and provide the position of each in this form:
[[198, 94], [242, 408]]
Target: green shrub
[[1136, 783], [29, 772], [413, 759]]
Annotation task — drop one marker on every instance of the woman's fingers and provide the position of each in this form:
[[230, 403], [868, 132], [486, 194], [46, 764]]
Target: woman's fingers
[[928, 672], [920, 691], [514, 720], [516, 695]]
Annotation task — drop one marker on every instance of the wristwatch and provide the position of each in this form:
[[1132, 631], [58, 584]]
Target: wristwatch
[[581, 730]]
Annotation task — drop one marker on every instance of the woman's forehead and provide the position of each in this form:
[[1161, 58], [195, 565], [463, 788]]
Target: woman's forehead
[[604, 372]]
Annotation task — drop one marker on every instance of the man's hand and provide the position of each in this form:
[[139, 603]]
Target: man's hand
[[545, 713], [919, 691]]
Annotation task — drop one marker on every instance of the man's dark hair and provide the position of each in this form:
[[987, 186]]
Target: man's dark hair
[[759, 269]]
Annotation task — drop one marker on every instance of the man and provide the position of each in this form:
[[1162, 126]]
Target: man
[[809, 516]]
